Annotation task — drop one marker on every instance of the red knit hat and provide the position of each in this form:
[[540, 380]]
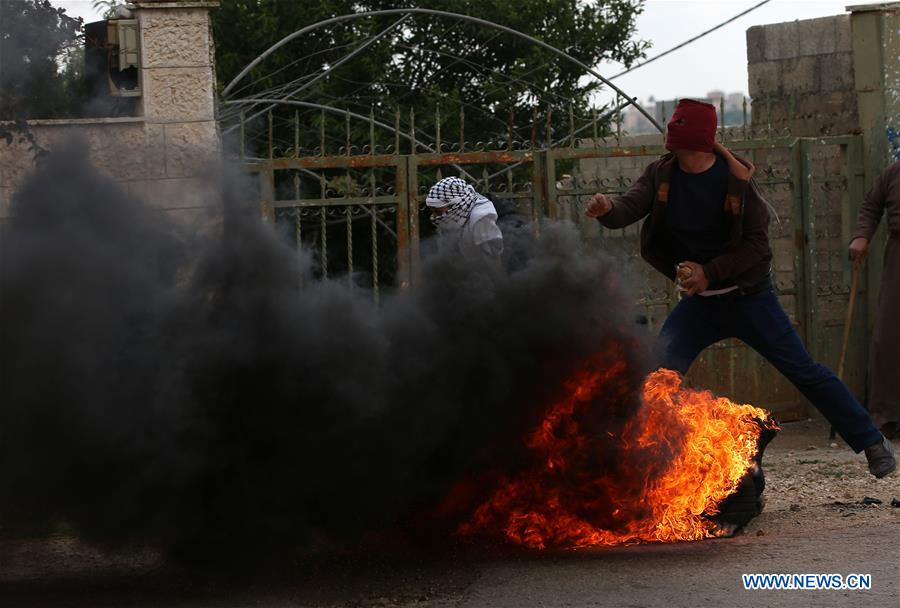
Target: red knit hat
[[693, 126]]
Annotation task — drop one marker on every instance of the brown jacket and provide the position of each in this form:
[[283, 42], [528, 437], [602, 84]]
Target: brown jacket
[[747, 256], [883, 198]]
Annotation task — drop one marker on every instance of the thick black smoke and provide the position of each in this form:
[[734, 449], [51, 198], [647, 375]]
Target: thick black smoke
[[185, 387]]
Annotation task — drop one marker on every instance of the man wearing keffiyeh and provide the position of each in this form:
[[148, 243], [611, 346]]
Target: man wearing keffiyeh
[[459, 212]]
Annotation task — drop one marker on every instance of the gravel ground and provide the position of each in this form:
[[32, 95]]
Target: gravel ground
[[816, 521]]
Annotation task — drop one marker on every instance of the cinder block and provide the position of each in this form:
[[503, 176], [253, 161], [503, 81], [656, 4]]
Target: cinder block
[[809, 126], [778, 109], [760, 110], [839, 100], [190, 148], [843, 37], [178, 94], [764, 79], [816, 36], [175, 44], [782, 228], [783, 254], [118, 151], [800, 75], [846, 122], [809, 103], [121, 151], [836, 72], [783, 201], [155, 151], [782, 41], [823, 166], [756, 44], [827, 113], [788, 303], [17, 159], [171, 194]]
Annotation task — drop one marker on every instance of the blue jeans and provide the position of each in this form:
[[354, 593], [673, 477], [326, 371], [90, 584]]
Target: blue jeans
[[760, 322]]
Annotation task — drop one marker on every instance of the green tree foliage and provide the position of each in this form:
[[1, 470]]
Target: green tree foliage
[[35, 41], [107, 7], [431, 60]]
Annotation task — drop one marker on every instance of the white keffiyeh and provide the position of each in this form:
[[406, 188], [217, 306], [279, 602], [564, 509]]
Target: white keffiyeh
[[457, 196], [470, 219]]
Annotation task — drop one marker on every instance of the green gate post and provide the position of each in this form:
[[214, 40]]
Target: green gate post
[[550, 195], [412, 190], [811, 261], [857, 355], [799, 191], [267, 192], [538, 188], [401, 187], [876, 63]]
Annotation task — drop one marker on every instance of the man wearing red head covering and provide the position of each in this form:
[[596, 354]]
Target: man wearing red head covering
[[707, 228]]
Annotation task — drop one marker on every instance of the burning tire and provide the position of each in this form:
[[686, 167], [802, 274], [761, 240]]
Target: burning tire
[[748, 501], [682, 465]]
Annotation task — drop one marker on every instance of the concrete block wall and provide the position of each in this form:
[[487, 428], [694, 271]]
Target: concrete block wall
[[801, 76], [162, 155]]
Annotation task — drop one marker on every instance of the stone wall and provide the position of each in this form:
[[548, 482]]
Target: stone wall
[[801, 76], [163, 154]]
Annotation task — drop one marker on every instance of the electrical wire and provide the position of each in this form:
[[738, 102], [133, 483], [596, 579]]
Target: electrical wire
[[687, 42]]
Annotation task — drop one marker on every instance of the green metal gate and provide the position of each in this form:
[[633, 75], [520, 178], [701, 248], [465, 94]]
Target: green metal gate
[[362, 210]]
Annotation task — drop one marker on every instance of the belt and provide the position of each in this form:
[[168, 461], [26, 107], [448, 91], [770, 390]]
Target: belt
[[728, 295], [759, 287]]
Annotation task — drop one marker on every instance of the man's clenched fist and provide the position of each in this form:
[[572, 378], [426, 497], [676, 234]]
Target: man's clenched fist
[[691, 278], [598, 206]]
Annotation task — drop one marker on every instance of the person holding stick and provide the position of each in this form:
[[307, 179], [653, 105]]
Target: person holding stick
[[707, 227], [884, 354]]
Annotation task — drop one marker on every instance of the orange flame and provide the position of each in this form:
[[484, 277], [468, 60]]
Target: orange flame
[[657, 475]]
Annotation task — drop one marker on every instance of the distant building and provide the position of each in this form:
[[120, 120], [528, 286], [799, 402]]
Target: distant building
[[634, 123]]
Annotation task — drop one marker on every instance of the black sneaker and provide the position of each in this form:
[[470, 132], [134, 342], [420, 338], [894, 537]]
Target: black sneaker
[[881, 458]]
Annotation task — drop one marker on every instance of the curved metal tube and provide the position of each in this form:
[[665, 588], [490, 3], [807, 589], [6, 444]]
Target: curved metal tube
[[318, 106], [339, 63], [425, 11]]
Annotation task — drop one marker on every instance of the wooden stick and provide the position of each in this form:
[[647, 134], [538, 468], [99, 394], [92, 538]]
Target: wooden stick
[[847, 323]]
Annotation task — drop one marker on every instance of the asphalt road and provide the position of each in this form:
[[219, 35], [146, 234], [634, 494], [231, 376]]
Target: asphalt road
[[814, 522]]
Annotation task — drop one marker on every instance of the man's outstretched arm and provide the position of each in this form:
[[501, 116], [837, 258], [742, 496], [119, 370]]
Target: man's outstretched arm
[[620, 211]]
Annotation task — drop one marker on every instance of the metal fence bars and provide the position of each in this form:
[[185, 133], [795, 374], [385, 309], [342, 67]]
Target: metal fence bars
[[362, 210]]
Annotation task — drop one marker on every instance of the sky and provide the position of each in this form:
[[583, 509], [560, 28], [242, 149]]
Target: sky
[[715, 62], [666, 23]]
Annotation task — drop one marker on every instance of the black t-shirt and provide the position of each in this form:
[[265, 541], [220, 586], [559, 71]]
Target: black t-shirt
[[696, 221]]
